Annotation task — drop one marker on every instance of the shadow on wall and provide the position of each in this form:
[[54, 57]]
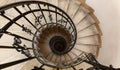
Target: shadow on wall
[[108, 12]]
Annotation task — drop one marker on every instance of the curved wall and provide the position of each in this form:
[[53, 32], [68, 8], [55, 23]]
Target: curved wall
[[108, 12]]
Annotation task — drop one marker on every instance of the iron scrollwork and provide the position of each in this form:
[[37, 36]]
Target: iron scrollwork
[[26, 30], [23, 49], [50, 17], [62, 21], [38, 20]]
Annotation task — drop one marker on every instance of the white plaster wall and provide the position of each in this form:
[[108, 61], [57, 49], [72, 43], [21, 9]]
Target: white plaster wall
[[108, 12]]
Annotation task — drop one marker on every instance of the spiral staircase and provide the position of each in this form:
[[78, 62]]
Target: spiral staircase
[[47, 35]]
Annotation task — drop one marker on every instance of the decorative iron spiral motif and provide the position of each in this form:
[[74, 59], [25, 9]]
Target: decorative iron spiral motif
[[52, 35]]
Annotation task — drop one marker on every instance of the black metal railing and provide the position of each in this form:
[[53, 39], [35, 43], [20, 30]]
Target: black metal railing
[[55, 18]]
